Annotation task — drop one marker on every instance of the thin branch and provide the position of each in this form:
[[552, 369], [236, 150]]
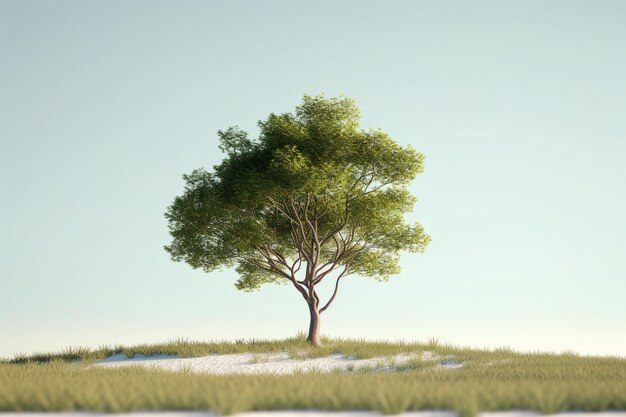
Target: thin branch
[[343, 273], [341, 225], [291, 277], [277, 206], [301, 224]]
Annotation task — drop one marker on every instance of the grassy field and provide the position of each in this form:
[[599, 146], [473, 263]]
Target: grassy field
[[489, 380]]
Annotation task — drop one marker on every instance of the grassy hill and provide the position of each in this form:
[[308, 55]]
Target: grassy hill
[[489, 380]]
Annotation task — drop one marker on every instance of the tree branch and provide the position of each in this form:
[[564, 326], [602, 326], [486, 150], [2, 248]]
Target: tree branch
[[291, 277], [343, 273]]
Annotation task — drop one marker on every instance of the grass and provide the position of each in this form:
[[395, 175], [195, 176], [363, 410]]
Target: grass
[[490, 380], [297, 347]]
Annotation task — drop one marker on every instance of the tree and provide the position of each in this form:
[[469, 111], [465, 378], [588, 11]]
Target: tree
[[313, 197]]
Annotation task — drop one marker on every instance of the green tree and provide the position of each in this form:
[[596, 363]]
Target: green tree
[[313, 197]]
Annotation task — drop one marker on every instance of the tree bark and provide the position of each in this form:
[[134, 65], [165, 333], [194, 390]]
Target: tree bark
[[314, 326]]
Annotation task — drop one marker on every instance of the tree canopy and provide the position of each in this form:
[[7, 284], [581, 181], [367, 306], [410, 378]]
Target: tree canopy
[[314, 194]]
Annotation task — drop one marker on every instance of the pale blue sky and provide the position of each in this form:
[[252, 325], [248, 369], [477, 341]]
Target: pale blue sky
[[519, 107]]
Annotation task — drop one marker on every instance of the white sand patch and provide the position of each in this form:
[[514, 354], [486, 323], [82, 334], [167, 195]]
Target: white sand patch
[[262, 363]]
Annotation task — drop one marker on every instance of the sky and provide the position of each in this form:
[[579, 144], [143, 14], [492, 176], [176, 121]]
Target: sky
[[518, 106]]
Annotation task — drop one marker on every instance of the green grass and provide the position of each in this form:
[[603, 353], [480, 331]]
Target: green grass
[[490, 380], [297, 347]]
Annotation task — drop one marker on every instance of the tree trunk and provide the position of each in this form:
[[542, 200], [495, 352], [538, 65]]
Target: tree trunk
[[314, 326]]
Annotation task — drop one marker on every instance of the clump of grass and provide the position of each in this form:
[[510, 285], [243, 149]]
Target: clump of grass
[[418, 364], [261, 358], [70, 354]]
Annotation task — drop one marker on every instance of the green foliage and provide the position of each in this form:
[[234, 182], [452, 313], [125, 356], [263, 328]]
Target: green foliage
[[312, 189]]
